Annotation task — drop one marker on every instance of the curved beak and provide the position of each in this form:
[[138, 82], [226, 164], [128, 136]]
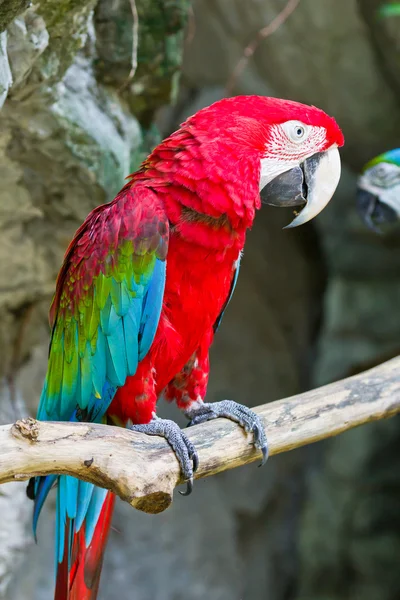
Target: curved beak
[[373, 210], [313, 184]]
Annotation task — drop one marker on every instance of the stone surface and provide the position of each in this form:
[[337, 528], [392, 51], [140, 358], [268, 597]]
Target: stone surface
[[5, 71], [385, 37], [15, 513], [159, 53], [9, 9]]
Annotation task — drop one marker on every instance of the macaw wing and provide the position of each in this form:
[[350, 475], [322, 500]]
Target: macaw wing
[[231, 290], [106, 307]]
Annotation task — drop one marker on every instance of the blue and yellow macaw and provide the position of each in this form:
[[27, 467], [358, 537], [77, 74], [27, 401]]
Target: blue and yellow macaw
[[378, 190]]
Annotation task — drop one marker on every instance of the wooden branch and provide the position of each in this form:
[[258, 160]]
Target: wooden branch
[[144, 471]]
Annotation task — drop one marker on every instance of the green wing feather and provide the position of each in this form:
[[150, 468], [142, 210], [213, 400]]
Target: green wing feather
[[114, 267]]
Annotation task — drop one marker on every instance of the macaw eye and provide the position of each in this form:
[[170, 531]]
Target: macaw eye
[[380, 171], [299, 132], [296, 131]]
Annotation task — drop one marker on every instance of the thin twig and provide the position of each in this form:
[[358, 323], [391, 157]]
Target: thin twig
[[135, 42], [262, 34], [191, 27]]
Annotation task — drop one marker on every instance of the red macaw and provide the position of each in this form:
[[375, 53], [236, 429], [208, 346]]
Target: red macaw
[[145, 282]]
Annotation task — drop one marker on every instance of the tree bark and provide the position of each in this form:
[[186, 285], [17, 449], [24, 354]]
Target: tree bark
[[143, 471]]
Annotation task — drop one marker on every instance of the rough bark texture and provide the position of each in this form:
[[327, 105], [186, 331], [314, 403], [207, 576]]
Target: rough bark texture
[[316, 524]]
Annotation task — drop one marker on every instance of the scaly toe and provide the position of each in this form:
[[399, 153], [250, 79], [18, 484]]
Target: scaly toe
[[240, 414], [185, 451]]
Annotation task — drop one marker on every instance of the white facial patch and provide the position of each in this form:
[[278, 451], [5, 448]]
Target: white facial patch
[[391, 197], [272, 167], [289, 144], [383, 181], [296, 131], [380, 176]]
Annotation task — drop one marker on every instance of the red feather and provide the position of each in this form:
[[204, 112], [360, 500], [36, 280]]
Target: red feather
[[81, 582]]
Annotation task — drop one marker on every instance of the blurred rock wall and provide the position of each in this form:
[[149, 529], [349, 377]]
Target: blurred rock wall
[[311, 305]]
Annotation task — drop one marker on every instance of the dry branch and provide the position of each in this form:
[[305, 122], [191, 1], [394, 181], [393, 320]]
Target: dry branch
[[143, 470]]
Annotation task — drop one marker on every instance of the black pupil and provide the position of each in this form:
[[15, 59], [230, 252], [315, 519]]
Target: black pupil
[[299, 131]]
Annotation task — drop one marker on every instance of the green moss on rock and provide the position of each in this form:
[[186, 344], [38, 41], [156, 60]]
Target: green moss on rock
[[159, 54]]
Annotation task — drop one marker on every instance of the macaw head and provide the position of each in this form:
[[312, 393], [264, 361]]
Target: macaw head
[[290, 148], [223, 160], [378, 190]]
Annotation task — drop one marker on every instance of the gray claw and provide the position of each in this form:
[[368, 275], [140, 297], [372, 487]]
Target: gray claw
[[264, 451], [189, 488], [185, 451], [195, 459]]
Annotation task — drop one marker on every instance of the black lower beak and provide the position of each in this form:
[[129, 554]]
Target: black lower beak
[[372, 211], [287, 189], [310, 184]]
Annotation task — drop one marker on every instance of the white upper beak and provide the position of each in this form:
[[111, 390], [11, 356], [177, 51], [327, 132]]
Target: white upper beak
[[322, 175]]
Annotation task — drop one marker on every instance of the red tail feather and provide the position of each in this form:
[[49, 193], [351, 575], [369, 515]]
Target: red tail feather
[[82, 581]]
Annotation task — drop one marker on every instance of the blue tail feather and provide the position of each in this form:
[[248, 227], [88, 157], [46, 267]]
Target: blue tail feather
[[42, 488], [84, 495], [93, 513]]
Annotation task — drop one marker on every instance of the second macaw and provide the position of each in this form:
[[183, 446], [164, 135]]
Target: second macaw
[[145, 282], [378, 193]]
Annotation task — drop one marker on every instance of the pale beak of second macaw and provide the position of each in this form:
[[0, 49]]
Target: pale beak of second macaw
[[312, 184]]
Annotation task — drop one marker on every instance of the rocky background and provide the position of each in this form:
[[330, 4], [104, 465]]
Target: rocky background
[[312, 305]]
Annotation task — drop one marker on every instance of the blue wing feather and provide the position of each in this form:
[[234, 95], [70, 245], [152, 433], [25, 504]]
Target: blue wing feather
[[151, 308]]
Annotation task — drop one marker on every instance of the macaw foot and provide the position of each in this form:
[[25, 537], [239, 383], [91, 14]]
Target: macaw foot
[[242, 415], [184, 450]]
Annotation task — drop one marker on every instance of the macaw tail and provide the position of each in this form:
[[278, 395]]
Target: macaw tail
[[83, 520], [78, 573]]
